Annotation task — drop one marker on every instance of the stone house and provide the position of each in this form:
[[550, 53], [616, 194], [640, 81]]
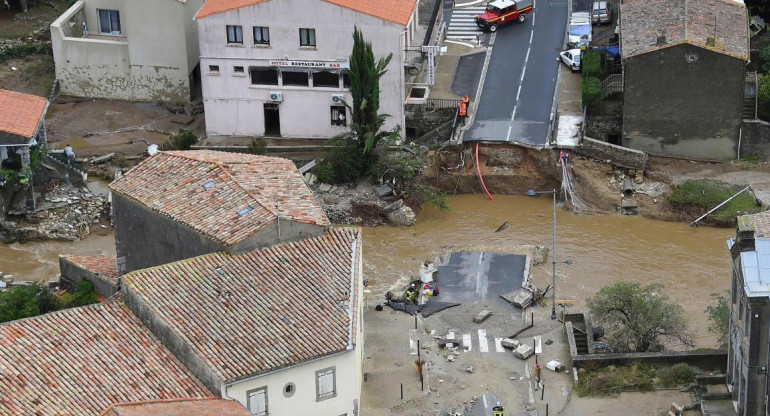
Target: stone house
[[684, 75], [266, 64], [181, 204], [142, 50], [278, 329], [749, 336], [22, 126]]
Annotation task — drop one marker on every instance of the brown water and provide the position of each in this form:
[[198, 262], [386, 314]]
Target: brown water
[[691, 262]]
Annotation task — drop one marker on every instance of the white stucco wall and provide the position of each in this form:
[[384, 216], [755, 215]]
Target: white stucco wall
[[348, 375], [303, 402], [235, 107], [150, 61]]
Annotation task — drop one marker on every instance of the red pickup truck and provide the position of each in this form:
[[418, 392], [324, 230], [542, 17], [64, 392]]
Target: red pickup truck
[[500, 12]]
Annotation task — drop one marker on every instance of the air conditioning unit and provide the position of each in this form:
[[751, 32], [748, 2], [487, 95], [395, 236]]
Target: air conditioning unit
[[337, 98], [276, 96]]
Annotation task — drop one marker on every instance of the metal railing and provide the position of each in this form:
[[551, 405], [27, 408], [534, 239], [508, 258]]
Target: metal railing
[[413, 55], [441, 103], [613, 84]]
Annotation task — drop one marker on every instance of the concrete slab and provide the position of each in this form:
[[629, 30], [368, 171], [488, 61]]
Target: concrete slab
[[468, 74], [469, 277], [568, 132]]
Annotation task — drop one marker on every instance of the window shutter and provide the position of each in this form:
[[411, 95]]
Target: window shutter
[[257, 403]]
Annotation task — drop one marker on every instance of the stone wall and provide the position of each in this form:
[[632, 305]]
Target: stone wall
[[603, 127], [618, 155], [755, 137], [702, 359], [72, 274]]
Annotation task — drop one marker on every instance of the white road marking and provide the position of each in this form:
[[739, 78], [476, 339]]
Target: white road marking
[[538, 344], [508, 137], [483, 345], [523, 71], [467, 342], [531, 35], [499, 345], [450, 335], [526, 58], [518, 93], [514, 113]]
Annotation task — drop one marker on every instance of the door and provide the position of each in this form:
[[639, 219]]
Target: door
[[272, 120]]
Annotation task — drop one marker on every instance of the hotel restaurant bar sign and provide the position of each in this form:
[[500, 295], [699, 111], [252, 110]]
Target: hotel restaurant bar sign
[[311, 64]]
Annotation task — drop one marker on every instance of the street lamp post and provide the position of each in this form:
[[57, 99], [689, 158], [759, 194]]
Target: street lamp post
[[553, 255]]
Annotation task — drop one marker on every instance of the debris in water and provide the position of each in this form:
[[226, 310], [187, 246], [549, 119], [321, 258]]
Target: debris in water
[[502, 227]]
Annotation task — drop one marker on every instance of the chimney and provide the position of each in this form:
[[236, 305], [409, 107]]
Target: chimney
[[744, 240], [710, 41], [661, 40]]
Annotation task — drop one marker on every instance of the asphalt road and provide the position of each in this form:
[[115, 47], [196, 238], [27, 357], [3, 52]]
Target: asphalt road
[[518, 91]]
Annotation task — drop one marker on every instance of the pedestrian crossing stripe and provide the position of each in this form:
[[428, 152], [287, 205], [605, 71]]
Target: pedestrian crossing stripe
[[467, 342], [483, 346], [462, 24]]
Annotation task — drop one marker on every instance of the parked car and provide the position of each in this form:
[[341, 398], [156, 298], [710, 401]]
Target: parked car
[[601, 12], [501, 12], [579, 28], [571, 58]]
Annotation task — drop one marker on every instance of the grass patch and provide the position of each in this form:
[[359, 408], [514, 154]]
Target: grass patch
[[701, 195], [612, 380]]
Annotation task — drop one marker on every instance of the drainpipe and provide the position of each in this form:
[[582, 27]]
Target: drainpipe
[[740, 134]]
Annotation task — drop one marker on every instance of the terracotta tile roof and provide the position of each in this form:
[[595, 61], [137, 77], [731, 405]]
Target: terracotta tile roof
[[684, 21], [172, 183], [82, 360], [275, 307], [396, 11], [20, 113], [206, 406], [105, 267]]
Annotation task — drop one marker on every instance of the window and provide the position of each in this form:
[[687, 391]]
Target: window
[[263, 76], [299, 76], [338, 115], [258, 401], [238, 70], [261, 35], [306, 37], [109, 22], [325, 385], [234, 34], [326, 79], [345, 79], [289, 389], [214, 68]]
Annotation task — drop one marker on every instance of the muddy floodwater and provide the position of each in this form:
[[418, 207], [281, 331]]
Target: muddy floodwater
[[690, 262]]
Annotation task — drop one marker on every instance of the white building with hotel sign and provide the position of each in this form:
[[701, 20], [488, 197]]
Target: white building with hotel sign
[[279, 67]]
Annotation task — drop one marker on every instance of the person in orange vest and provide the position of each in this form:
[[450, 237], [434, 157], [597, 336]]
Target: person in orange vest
[[462, 112], [466, 100]]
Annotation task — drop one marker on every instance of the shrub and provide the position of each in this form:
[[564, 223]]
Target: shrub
[[258, 146], [677, 375], [591, 64], [181, 141], [592, 93], [763, 97], [85, 294], [764, 59], [347, 163], [21, 51]]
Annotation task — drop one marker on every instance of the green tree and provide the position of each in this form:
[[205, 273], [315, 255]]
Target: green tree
[[639, 318], [365, 74], [19, 302], [719, 318], [85, 294]]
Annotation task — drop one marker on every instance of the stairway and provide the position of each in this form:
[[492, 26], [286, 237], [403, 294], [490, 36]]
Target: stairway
[[581, 340], [749, 111]]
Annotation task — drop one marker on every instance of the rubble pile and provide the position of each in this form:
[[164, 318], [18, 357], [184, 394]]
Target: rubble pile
[[66, 213], [362, 204]]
